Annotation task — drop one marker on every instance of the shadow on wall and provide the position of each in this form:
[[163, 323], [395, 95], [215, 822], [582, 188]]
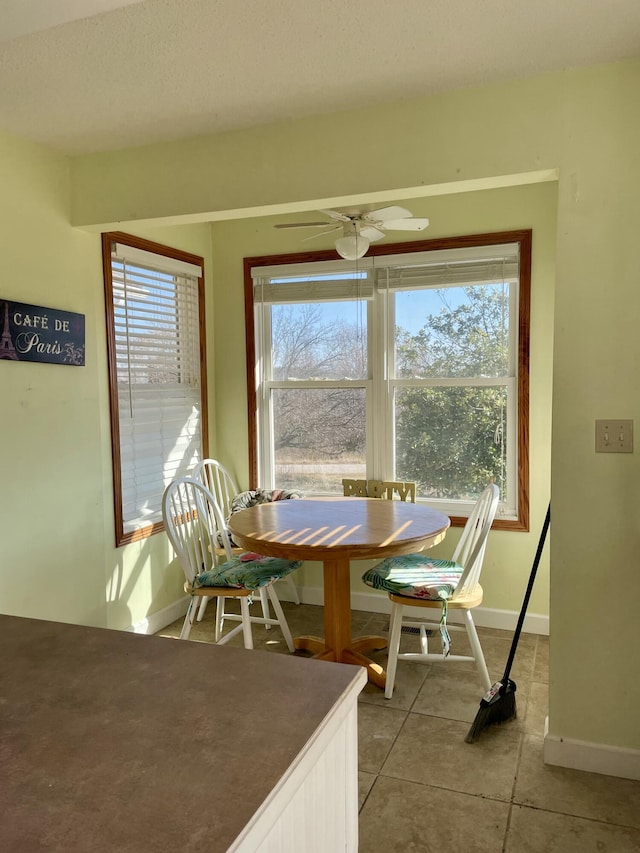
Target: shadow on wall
[[145, 571]]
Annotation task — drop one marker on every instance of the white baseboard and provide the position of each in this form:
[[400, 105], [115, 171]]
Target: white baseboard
[[161, 618], [592, 757], [534, 623]]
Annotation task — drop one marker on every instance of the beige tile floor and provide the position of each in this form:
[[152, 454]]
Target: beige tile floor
[[423, 789]]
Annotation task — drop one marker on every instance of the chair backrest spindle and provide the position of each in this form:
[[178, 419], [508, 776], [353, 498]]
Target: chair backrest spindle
[[469, 552], [219, 482]]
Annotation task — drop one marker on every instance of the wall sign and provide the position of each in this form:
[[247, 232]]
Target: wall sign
[[33, 333]]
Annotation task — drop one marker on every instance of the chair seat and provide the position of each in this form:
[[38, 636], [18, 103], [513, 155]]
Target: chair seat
[[217, 591], [465, 601], [247, 571], [415, 576]]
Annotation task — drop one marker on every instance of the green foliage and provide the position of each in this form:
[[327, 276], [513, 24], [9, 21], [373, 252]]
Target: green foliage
[[448, 440], [452, 440], [468, 340]]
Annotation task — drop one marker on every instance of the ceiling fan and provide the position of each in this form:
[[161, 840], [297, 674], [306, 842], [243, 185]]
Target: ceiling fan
[[361, 228]]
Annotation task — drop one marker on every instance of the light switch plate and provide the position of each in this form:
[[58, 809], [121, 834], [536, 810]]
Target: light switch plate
[[614, 436]]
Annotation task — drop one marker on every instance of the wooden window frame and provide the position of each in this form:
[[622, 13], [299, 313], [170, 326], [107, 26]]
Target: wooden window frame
[[521, 236], [123, 537]]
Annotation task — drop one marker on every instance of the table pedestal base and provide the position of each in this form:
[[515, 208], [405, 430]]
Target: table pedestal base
[[352, 654]]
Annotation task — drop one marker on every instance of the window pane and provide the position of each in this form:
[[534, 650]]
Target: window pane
[[319, 438], [319, 341], [452, 331], [452, 441]]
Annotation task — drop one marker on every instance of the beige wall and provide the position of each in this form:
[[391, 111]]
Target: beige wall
[[585, 124]]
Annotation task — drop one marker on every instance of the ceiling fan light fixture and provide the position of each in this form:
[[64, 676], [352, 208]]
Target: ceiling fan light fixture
[[352, 246]]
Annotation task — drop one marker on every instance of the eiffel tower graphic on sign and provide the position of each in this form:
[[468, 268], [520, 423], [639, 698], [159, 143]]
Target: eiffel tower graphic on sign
[[6, 344]]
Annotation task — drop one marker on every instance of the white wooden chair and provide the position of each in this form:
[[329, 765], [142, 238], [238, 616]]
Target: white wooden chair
[[195, 525], [224, 489], [417, 581]]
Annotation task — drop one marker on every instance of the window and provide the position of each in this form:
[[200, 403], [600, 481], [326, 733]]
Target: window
[[155, 340], [409, 364]]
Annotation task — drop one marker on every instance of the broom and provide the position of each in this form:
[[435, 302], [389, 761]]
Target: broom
[[498, 705]]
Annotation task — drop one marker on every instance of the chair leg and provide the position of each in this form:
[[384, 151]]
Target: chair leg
[[202, 608], [424, 640], [188, 619], [264, 603], [219, 617], [395, 626], [246, 623], [284, 627], [476, 648]]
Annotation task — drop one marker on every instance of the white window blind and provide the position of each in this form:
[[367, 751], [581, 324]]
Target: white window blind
[[450, 268], [332, 281], [157, 365]]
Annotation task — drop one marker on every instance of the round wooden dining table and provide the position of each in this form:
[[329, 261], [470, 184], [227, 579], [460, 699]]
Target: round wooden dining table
[[335, 531]]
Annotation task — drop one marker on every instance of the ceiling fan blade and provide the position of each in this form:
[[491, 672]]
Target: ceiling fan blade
[[405, 224], [371, 233], [302, 224], [335, 214], [331, 230], [385, 213]]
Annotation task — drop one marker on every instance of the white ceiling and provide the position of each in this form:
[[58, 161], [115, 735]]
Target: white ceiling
[[91, 75], [20, 17]]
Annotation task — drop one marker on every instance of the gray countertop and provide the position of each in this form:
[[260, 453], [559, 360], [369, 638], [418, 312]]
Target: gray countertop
[[122, 742]]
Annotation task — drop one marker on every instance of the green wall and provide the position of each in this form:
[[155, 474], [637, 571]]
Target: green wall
[[58, 559]]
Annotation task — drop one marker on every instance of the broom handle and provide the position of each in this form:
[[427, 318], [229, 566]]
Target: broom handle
[[523, 610]]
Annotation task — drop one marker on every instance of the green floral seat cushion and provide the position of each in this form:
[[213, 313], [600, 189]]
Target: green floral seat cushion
[[247, 571], [415, 576]]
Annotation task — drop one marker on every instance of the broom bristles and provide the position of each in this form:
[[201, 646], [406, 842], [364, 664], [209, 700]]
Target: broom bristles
[[498, 705]]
